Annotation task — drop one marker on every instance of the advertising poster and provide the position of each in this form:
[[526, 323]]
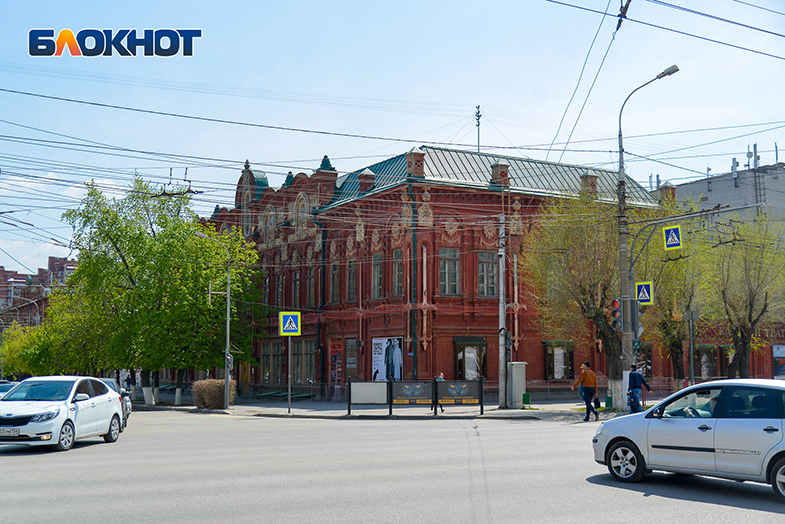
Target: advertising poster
[[458, 392], [779, 362], [412, 393], [387, 358], [336, 369], [351, 359]]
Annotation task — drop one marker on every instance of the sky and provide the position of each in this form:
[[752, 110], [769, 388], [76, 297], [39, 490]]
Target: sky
[[549, 77]]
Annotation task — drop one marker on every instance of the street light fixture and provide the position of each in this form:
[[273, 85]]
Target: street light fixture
[[37, 309], [626, 338], [227, 354]]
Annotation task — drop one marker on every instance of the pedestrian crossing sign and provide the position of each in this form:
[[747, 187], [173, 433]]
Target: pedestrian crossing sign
[[643, 293], [672, 237], [289, 324]]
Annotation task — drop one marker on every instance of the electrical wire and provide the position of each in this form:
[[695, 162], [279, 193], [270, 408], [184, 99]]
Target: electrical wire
[[683, 33], [713, 17]]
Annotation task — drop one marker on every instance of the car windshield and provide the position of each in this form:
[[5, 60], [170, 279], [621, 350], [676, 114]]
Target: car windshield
[[51, 390], [6, 387]]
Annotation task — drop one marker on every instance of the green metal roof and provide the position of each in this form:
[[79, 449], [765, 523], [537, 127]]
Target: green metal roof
[[470, 168]]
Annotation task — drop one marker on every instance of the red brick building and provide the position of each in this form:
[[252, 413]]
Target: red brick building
[[395, 266]]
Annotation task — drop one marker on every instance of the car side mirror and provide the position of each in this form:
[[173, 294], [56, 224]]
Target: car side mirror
[[81, 396], [125, 393]]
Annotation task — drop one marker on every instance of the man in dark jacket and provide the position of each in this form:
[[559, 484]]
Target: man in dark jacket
[[634, 389]]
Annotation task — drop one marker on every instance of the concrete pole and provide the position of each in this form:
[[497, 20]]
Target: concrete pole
[[624, 284], [502, 319]]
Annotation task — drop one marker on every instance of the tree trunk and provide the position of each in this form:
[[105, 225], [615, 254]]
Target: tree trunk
[[147, 391], [676, 352], [178, 391], [156, 386]]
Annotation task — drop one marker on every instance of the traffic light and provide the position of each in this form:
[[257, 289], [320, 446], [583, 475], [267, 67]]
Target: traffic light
[[617, 322]]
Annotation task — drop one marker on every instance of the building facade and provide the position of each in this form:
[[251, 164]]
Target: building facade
[[395, 267]]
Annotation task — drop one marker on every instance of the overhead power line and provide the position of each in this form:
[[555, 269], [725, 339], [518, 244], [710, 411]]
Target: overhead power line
[[683, 33], [233, 122], [713, 17]]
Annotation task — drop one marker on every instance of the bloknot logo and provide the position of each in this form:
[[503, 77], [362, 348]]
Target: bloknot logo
[[106, 42]]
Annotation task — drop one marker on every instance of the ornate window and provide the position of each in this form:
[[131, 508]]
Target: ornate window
[[397, 272], [376, 275], [486, 273], [301, 215], [246, 218], [269, 227], [449, 271]]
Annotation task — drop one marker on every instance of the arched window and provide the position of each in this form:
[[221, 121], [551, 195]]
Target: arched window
[[247, 221], [301, 212]]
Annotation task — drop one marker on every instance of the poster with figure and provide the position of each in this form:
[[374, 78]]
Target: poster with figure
[[779, 362], [387, 358]]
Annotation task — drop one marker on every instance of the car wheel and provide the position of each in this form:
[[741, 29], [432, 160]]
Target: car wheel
[[778, 479], [625, 462], [65, 440], [114, 430]]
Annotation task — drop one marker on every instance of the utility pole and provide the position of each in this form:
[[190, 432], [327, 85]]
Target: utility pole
[[477, 116], [624, 284], [502, 318]]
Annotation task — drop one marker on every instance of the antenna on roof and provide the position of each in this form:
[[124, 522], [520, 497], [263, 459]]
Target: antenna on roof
[[477, 116]]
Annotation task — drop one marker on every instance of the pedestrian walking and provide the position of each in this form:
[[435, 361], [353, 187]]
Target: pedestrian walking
[[637, 380], [440, 378], [588, 379]]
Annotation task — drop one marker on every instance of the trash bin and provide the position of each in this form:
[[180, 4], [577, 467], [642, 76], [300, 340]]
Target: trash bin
[[526, 400], [608, 399]]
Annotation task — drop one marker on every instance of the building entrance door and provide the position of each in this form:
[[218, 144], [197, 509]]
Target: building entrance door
[[470, 363]]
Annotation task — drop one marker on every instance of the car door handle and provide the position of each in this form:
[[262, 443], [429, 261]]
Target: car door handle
[[770, 429], [704, 427]]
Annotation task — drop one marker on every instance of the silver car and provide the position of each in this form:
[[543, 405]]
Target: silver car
[[58, 410], [729, 429], [126, 397]]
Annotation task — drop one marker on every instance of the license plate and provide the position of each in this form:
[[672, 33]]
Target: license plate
[[9, 432]]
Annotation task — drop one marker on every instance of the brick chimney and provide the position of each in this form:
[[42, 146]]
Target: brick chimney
[[415, 162], [366, 179], [589, 183], [500, 173], [667, 192]]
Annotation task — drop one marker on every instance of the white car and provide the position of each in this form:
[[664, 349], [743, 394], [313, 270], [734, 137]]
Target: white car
[[729, 429], [126, 399], [59, 410]]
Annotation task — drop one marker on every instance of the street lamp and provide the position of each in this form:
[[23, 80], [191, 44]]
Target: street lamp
[[37, 309], [626, 337], [227, 355]]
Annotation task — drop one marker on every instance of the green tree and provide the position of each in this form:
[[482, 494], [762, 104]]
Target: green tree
[[144, 273], [743, 280], [570, 259]]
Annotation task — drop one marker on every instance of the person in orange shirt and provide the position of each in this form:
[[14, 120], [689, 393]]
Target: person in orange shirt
[[588, 379]]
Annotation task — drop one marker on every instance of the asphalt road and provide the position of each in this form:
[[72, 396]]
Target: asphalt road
[[173, 467]]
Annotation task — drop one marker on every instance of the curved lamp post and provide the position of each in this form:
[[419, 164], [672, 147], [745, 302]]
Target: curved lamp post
[[626, 338], [227, 355], [37, 309]]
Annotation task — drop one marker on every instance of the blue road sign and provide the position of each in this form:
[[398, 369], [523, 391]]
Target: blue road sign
[[672, 237], [643, 293], [289, 323]]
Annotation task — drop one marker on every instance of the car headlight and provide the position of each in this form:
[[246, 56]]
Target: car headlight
[[43, 417], [599, 429]]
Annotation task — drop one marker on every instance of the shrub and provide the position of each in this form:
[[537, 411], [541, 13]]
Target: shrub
[[210, 393]]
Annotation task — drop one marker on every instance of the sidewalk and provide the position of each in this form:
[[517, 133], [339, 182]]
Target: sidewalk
[[565, 410]]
